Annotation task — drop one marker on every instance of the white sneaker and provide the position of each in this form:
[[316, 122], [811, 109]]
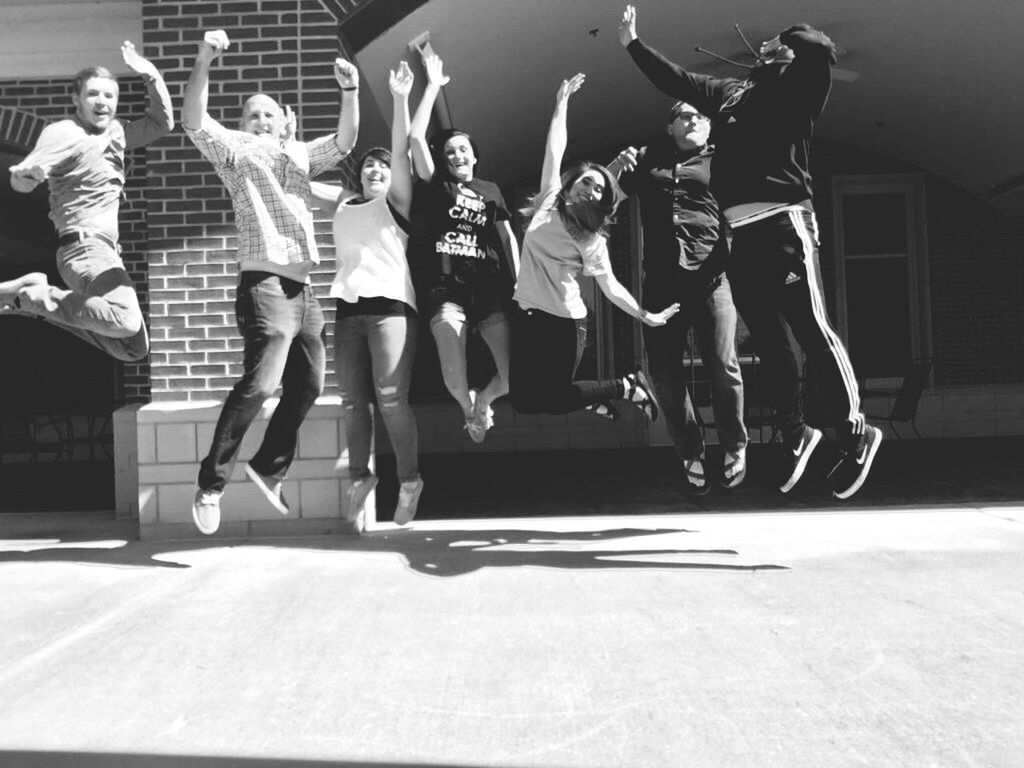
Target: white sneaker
[[271, 488], [359, 491], [206, 510], [408, 499]]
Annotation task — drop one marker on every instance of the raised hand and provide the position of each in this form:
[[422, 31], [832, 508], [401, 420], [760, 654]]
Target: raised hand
[[400, 81], [627, 27], [346, 74], [290, 124], [435, 70], [140, 65], [627, 158], [215, 42], [34, 172], [569, 87], [654, 319]]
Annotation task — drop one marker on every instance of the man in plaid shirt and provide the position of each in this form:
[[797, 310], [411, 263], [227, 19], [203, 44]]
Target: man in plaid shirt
[[267, 174]]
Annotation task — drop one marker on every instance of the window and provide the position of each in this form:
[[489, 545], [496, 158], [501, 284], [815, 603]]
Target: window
[[881, 267]]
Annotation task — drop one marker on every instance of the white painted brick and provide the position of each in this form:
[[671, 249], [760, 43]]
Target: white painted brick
[[318, 438], [147, 444], [204, 438], [315, 469], [147, 505], [174, 502], [320, 498], [157, 474], [175, 442], [243, 501]]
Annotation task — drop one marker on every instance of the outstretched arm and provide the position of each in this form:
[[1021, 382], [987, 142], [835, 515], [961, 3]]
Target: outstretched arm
[[558, 136], [159, 119], [59, 142], [668, 77], [618, 295], [422, 161], [197, 90], [348, 123], [400, 193]]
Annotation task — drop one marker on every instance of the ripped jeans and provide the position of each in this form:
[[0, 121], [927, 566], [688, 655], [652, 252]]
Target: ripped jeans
[[373, 355]]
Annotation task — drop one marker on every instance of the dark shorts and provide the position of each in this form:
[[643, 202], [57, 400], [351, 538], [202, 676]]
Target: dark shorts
[[480, 301]]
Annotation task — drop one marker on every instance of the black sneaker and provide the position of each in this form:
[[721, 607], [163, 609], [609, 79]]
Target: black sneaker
[[796, 455], [852, 470]]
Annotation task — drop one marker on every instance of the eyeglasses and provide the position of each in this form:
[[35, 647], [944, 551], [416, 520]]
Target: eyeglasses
[[688, 116]]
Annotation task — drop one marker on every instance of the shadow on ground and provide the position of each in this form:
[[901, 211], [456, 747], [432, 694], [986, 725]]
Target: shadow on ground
[[34, 759], [432, 552], [649, 481]]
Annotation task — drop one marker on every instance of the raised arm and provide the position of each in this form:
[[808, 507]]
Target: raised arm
[[814, 53], [668, 77], [348, 122], [197, 90], [159, 118], [436, 79], [558, 136], [400, 193]]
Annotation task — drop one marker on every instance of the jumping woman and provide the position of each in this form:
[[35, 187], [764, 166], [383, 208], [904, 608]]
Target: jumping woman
[[570, 216], [468, 235], [375, 325]]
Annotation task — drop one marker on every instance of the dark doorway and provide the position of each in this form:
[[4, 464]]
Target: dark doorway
[[57, 393]]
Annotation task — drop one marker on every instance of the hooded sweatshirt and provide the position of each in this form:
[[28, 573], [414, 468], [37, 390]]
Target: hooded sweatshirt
[[761, 125]]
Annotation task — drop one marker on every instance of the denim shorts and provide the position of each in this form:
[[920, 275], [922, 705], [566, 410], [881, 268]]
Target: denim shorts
[[481, 301]]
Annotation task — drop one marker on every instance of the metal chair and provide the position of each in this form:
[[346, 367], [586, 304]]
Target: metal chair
[[907, 397]]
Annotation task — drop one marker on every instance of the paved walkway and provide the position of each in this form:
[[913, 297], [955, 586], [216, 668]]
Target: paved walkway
[[822, 636]]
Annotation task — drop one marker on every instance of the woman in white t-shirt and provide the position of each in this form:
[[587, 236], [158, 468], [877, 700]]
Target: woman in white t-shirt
[[566, 238], [375, 325]]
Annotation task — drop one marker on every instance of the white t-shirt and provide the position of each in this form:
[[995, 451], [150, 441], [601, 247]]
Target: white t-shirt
[[370, 248], [552, 261]]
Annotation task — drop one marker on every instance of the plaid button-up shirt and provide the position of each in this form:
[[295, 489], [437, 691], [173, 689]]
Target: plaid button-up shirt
[[269, 186]]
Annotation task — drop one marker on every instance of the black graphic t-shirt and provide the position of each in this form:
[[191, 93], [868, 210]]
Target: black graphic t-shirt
[[458, 232]]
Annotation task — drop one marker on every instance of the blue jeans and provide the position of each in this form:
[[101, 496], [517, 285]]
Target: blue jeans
[[714, 317], [282, 326], [373, 355], [101, 306]]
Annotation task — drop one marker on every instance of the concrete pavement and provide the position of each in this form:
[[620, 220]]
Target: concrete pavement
[[824, 637]]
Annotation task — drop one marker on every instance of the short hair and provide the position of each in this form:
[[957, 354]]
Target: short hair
[[377, 153], [677, 110], [241, 117], [88, 73]]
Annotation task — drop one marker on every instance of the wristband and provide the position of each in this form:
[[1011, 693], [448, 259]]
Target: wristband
[[350, 87]]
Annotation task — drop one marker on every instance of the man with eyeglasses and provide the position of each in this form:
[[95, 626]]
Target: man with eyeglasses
[[763, 125], [684, 261]]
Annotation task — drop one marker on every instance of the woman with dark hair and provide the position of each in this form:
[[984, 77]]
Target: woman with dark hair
[[570, 216], [375, 324], [475, 256]]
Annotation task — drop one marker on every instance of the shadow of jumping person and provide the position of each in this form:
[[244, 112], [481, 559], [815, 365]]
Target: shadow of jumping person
[[431, 552]]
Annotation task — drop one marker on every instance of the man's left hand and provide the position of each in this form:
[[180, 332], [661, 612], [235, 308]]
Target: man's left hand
[[132, 58]]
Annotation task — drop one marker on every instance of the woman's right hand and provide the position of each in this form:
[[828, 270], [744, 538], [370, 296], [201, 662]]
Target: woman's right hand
[[400, 82], [435, 70], [655, 319], [569, 87]]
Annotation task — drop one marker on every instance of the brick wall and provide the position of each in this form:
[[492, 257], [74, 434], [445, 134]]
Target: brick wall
[[276, 45], [30, 104]]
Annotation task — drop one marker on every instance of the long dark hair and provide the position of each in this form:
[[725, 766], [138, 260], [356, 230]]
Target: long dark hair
[[436, 145], [582, 218]]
